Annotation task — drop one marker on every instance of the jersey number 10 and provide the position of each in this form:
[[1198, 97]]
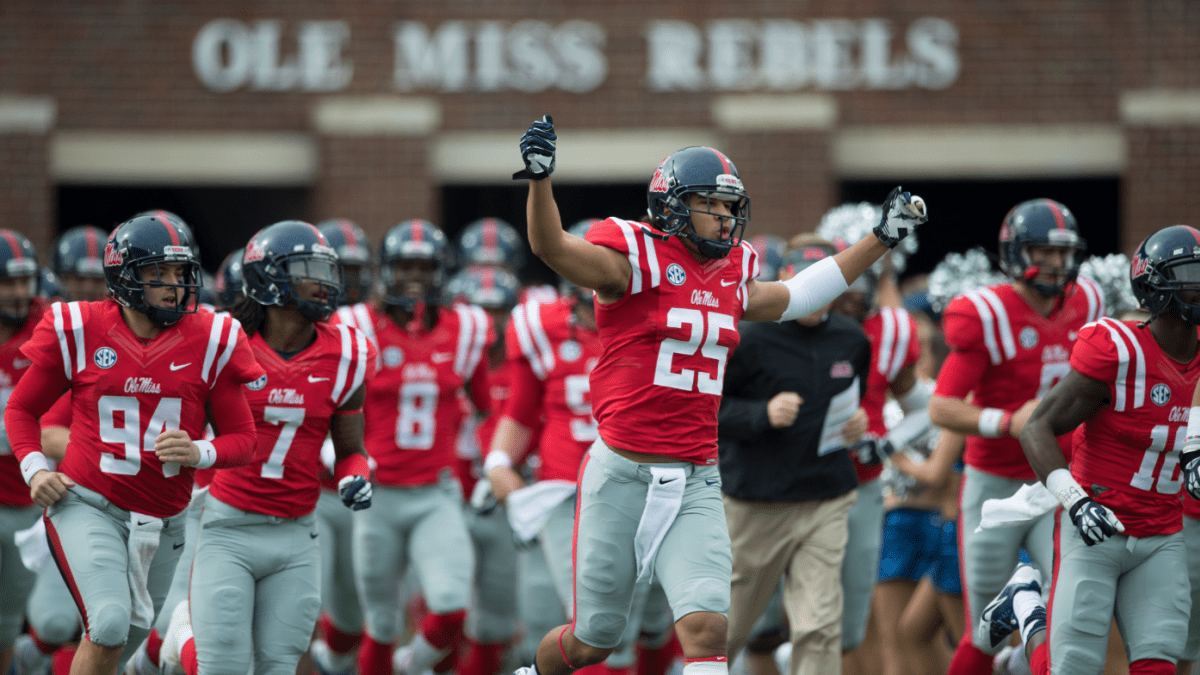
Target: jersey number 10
[[1167, 483]]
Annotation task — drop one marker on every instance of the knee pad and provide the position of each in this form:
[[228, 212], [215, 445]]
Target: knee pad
[[1081, 660], [108, 626], [58, 627]]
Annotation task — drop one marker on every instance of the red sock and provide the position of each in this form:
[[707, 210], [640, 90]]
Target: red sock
[[444, 630], [627, 670], [417, 609], [1039, 660], [338, 640], [374, 658], [153, 646], [656, 661], [61, 661], [969, 660], [1151, 667], [43, 647], [481, 659], [187, 655]]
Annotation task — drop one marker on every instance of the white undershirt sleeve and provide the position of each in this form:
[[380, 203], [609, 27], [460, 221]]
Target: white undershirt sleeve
[[813, 288]]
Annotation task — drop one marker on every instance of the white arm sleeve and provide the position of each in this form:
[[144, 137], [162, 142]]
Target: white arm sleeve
[[916, 398], [813, 288]]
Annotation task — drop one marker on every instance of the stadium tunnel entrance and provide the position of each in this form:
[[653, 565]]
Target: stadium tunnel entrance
[[223, 218], [462, 204], [968, 213]]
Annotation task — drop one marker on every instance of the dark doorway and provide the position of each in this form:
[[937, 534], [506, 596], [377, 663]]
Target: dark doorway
[[968, 213], [462, 204], [223, 218]]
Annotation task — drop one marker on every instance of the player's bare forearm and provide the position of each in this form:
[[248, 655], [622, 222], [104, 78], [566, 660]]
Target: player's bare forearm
[[579, 261], [346, 429], [512, 438], [1070, 403], [954, 414]]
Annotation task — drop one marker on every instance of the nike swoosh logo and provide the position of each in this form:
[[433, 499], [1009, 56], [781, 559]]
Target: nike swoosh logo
[[141, 523], [317, 379], [664, 481], [710, 482], [727, 283], [440, 357], [176, 547], [314, 535], [182, 365]]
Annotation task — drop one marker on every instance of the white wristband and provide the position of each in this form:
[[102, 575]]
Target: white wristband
[[496, 458], [989, 422], [1193, 427], [1062, 485], [208, 454], [813, 288], [33, 463]]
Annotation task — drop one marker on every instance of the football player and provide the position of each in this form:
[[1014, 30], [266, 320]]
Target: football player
[[228, 280], [1119, 548], [669, 295], [354, 253], [143, 367], [20, 312], [552, 348], [431, 354], [78, 262], [255, 586], [1010, 343]]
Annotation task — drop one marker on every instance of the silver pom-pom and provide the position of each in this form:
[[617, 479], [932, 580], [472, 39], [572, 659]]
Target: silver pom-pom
[[1111, 272], [959, 273], [849, 223]]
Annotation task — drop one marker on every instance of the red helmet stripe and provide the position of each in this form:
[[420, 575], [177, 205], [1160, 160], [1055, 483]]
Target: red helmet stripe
[[14, 244], [348, 232], [1060, 222], [1195, 233], [489, 279], [170, 227], [490, 234], [93, 243], [724, 160], [418, 231]]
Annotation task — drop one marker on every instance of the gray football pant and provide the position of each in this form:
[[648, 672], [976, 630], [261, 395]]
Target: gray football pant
[[1191, 539], [255, 590], [541, 609], [1139, 581], [16, 581], [492, 616], [89, 536], [649, 615], [988, 558], [421, 525], [51, 609], [860, 566], [183, 571], [339, 597]]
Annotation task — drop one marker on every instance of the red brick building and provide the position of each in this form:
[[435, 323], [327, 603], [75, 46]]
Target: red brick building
[[236, 114]]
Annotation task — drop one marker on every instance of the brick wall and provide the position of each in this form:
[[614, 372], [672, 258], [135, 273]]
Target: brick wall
[[113, 65]]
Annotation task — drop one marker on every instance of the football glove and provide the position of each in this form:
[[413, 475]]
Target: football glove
[[537, 150], [874, 450], [355, 492], [482, 498], [1190, 459], [1094, 521], [902, 213]]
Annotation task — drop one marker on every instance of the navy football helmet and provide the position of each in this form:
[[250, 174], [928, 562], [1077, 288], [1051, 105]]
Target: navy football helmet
[[702, 171], [1039, 222], [487, 287], [78, 262], [228, 281], [491, 241], [412, 264], [49, 286], [286, 253], [168, 215], [18, 262], [147, 241], [770, 249], [1165, 264], [354, 251]]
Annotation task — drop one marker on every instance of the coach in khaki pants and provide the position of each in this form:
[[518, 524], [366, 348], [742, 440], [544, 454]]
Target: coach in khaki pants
[[790, 408]]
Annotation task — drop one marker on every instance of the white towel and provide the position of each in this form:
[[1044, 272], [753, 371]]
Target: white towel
[[144, 535], [34, 546], [1030, 502], [529, 508], [663, 500]]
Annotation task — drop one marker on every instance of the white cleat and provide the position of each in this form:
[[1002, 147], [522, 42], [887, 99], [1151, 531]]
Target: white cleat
[[179, 631], [329, 662]]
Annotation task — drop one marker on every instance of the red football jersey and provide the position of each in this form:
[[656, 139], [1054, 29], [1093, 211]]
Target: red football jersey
[[895, 345], [1005, 353], [1127, 454], [552, 358], [125, 393], [13, 364], [292, 406], [658, 384], [413, 413]]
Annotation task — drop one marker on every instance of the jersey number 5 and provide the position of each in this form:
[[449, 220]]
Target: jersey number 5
[[684, 380], [129, 433], [1167, 483]]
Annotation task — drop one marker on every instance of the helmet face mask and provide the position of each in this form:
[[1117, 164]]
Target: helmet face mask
[[291, 263], [354, 252], [1165, 273], [412, 266], [491, 241], [153, 252], [709, 174], [1030, 232]]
